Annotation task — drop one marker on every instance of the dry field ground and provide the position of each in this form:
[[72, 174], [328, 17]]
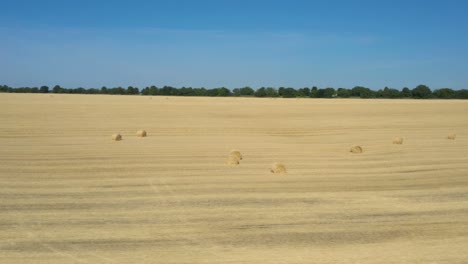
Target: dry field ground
[[69, 194]]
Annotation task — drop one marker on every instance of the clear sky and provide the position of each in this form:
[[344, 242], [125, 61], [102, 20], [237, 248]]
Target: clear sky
[[234, 43]]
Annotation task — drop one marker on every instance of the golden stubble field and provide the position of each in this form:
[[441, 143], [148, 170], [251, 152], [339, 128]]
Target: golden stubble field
[[69, 194]]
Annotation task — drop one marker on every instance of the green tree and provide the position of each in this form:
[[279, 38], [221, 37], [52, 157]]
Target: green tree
[[145, 91], [444, 93], [132, 90], [390, 93], [57, 89], [118, 90], [314, 92], [199, 91], [363, 92], [326, 93], [104, 90], [281, 91], [271, 92], [246, 91], [261, 92], [79, 90], [212, 92], [368, 94], [4, 88], [186, 91], [223, 91], [461, 94], [303, 92], [236, 92], [421, 91], [93, 91], [288, 92], [360, 91], [168, 90], [153, 90], [44, 89], [343, 93], [406, 93]]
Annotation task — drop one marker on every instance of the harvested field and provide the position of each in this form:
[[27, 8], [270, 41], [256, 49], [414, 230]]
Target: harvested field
[[70, 194]]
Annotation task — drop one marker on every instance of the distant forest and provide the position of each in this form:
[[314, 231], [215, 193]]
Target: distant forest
[[419, 92]]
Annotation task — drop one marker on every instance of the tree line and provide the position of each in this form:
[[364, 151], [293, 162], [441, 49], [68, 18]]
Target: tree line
[[419, 92]]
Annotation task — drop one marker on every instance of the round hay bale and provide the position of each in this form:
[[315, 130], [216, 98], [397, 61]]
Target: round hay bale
[[356, 149], [233, 160], [236, 153], [398, 140], [452, 136], [277, 168], [141, 133], [116, 137]]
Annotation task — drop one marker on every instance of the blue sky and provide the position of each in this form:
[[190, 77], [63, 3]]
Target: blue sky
[[208, 43]]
